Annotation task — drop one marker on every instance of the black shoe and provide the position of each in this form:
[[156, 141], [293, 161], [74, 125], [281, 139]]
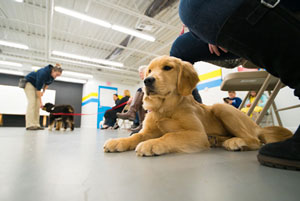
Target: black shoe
[[103, 128], [33, 128], [116, 126], [133, 126], [40, 128], [284, 155]]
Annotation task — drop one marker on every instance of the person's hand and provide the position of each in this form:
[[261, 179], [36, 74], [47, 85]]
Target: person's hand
[[214, 49], [230, 102], [248, 105], [41, 104]]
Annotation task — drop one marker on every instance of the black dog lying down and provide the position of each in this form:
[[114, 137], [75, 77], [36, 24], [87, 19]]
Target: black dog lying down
[[60, 119]]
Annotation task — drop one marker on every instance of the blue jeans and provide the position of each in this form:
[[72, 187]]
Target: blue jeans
[[189, 48], [204, 18]]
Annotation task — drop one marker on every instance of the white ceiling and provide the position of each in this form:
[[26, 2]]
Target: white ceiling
[[36, 24]]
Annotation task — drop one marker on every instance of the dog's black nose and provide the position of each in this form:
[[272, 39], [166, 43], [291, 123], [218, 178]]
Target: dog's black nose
[[149, 81]]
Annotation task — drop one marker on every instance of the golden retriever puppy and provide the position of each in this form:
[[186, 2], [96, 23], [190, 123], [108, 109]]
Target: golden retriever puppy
[[177, 123]]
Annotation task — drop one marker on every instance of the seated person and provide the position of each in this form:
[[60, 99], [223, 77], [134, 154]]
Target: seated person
[[111, 115], [232, 99], [136, 109], [258, 108]]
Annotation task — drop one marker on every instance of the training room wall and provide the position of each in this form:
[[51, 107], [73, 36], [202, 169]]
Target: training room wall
[[210, 80], [210, 92], [66, 93], [90, 99]]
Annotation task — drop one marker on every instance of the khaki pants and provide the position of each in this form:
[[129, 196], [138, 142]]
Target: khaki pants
[[33, 107]]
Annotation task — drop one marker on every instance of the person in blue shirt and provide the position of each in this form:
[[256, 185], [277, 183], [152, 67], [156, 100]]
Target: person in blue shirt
[[36, 84], [232, 99]]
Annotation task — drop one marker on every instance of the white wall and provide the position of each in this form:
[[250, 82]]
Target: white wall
[[90, 121], [290, 118], [285, 98], [214, 95]]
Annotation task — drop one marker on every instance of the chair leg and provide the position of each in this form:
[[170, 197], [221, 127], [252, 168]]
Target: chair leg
[[276, 112], [270, 100], [244, 100], [259, 94]]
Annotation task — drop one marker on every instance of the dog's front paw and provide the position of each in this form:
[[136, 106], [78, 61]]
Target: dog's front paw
[[235, 144], [117, 145], [151, 148]]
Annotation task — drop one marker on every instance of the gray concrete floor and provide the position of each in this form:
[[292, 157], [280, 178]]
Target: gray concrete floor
[[71, 166]]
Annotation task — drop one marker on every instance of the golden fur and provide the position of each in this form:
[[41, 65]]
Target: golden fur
[[177, 123]]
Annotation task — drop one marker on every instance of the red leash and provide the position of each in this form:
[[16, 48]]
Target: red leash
[[79, 114]]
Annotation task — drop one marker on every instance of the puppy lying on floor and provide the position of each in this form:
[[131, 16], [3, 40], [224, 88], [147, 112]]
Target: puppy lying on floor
[[61, 120], [177, 123]]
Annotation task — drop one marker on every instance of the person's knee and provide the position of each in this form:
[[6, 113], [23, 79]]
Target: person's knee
[[174, 51]]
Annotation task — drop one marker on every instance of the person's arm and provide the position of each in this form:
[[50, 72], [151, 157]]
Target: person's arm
[[238, 102], [262, 101], [39, 95], [248, 104], [41, 77], [44, 89]]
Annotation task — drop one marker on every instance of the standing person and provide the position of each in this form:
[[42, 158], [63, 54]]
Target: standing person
[[232, 99], [265, 32], [35, 82]]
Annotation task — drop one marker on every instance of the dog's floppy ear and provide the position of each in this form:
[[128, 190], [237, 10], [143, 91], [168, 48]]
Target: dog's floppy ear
[[187, 78]]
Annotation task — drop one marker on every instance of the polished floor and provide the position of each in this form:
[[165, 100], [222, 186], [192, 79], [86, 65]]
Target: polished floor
[[71, 166]]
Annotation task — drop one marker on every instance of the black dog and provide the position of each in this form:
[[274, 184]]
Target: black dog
[[60, 119]]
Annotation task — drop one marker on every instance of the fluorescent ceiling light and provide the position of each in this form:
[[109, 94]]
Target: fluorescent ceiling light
[[82, 16], [104, 23], [75, 74], [11, 72], [133, 32], [16, 45], [68, 79], [8, 63], [20, 1], [100, 61]]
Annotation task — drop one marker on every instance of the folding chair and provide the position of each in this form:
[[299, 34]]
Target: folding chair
[[255, 81], [123, 122]]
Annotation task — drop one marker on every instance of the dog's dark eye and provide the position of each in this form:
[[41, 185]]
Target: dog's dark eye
[[166, 68], [149, 71]]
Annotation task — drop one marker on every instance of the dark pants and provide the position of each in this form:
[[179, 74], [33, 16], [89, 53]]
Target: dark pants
[[110, 117], [189, 48], [205, 20]]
